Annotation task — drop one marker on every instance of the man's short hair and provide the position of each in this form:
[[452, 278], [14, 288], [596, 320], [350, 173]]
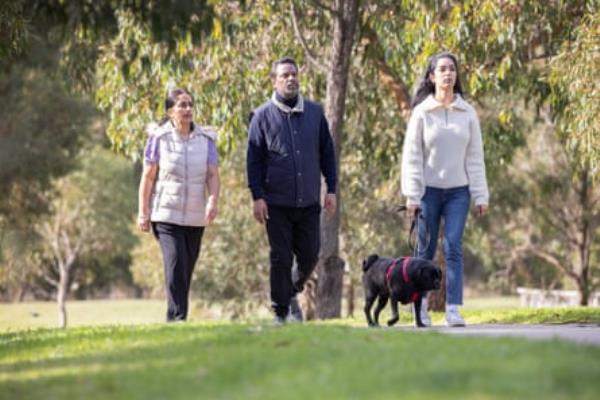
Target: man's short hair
[[277, 63]]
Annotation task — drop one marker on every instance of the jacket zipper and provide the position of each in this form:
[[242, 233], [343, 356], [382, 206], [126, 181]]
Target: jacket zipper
[[291, 132]]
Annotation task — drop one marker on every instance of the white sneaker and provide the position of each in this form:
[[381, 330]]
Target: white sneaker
[[425, 318], [453, 317]]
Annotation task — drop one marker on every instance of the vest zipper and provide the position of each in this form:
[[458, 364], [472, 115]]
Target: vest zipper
[[185, 181]]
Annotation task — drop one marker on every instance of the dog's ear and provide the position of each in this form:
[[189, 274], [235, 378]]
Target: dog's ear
[[369, 260]]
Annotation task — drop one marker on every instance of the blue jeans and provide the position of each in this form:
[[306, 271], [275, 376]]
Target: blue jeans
[[453, 206]]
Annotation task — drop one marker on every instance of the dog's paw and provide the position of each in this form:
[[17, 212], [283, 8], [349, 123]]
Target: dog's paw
[[392, 321]]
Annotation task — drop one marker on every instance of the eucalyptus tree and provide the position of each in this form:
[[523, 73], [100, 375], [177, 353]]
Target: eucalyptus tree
[[48, 54], [89, 216], [504, 48]]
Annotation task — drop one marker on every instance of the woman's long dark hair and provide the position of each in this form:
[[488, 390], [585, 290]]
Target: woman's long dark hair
[[426, 87], [170, 100]]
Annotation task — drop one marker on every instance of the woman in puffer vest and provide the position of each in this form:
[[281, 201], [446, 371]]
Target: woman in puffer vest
[[178, 193]]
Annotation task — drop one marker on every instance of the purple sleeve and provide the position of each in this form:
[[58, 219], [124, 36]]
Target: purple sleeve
[[213, 155], [152, 151]]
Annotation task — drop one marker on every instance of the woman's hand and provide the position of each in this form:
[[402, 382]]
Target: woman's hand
[[143, 223], [411, 210], [211, 210], [481, 210], [146, 183]]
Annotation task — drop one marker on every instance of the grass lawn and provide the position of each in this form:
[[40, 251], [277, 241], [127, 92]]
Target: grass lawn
[[334, 360]]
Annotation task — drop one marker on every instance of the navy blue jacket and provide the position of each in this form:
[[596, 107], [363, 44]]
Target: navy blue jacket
[[288, 149]]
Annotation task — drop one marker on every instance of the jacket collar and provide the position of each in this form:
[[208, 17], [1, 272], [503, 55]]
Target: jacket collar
[[299, 107], [158, 130], [459, 104]]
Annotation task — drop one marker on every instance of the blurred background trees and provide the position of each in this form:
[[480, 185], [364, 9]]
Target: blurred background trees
[[72, 72]]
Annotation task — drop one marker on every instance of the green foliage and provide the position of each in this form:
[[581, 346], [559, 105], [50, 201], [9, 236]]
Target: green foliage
[[576, 93], [261, 362], [146, 265], [80, 27], [91, 213], [544, 224], [13, 30], [497, 44], [226, 73], [42, 128], [233, 269], [128, 53]]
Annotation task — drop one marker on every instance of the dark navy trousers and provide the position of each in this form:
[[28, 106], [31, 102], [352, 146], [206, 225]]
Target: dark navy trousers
[[292, 232], [180, 246]]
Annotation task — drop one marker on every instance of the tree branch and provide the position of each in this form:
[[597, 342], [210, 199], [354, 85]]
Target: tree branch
[[324, 7], [554, 261], [388, 77], [309, 54], [50, 280]]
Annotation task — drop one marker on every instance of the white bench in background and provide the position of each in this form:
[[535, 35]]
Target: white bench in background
[[537, 298]]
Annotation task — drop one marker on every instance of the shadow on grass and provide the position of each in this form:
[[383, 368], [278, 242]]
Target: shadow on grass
[[301, 361]]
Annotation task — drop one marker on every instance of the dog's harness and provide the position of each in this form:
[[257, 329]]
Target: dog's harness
[[388, 276]]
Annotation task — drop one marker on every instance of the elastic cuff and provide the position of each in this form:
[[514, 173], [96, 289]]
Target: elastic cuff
[[257, 194], [413, 201]]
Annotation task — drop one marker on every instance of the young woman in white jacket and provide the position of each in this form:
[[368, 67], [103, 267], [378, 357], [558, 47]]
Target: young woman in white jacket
[[442, 170]]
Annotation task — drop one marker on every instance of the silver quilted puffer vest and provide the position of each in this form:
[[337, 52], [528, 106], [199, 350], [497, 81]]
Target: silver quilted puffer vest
[[179, 194]]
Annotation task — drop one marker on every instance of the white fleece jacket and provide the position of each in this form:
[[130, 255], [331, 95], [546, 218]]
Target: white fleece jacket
[[443, 148]]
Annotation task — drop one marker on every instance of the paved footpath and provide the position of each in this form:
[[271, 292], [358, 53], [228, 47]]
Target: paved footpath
[[578, 333]]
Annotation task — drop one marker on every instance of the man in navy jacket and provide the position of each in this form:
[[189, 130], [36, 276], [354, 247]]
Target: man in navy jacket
[[289, 146]]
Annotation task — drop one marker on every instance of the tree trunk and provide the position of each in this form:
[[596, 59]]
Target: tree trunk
[[61, 296], [21, 292], [350, 299], [586, 240], [584, 293], [583, 281], [330, 267]]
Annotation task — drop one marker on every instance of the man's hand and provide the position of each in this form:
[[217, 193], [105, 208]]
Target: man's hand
[[330, 204], [261, 211]]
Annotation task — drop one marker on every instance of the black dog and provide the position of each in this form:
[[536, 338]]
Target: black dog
[[403, 280]]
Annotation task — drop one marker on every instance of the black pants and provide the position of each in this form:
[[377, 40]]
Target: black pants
[[180, 247], [292, 232]]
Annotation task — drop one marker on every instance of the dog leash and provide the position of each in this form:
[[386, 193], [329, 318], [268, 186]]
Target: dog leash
[[413, 232]]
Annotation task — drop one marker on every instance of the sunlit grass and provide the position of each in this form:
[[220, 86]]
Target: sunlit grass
[[213, 360], [31, 315]]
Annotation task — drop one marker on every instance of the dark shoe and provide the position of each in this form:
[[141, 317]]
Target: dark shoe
[[278, 321], [295, 314]]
